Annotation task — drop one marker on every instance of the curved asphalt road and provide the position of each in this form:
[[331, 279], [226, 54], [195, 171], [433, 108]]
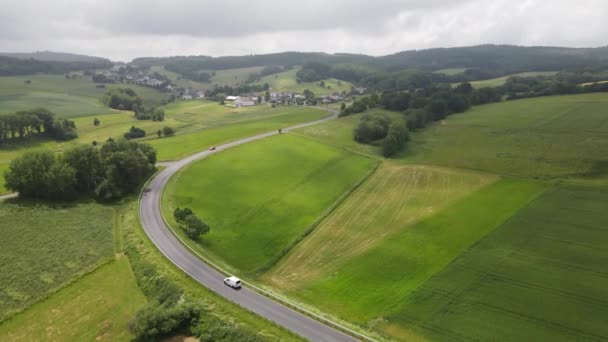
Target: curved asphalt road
[[154, 225]]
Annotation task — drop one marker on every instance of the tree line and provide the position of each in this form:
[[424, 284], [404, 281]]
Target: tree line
[[35, 122], [128, 99], [10, 66], [111, 171]]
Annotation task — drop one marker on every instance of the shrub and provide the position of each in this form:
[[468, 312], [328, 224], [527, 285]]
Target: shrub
[[135, 133]]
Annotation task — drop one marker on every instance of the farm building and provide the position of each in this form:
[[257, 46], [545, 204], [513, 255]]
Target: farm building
[[232, 98], [244, 102]]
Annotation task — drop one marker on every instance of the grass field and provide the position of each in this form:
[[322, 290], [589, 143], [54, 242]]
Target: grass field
[[451, 71], [546, 137], [42, 248], [286, 81], [97, 307], [230, 77], [372, 284], [340, 132], [541, 276], [65, 97], [497, 82], [261, 197], [183, 145], [393, 199]]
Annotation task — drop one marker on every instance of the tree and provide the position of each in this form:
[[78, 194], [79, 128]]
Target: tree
[[86, 161], [168, 131], [159, 133], [309, 94], [396, 138], [96, 122], [135, 133], [181, 214], [195, 227]]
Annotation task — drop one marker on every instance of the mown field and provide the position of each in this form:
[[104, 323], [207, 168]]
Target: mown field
[[182, 145], [497, 82], [541, 276], [286, 81], [66, 97], [547, 137], [371, 284], [97, 307], [393, 199], [43, 248], [261, 197]]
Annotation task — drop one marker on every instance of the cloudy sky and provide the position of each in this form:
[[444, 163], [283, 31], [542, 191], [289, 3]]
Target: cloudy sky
[[125, 29]]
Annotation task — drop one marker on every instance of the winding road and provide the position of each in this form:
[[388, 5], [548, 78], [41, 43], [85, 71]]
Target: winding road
[[152, 221]]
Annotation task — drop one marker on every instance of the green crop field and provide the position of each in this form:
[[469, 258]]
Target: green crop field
[[497, 82], [97, 307], [546, 137], [43, 248], [286, 81], [261, 197], [392, 200], [369, 285], [185, 144], [340, 132], [66, 97], [541, 276]]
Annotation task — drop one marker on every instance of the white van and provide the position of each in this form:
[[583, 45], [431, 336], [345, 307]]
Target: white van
[[233, 282]]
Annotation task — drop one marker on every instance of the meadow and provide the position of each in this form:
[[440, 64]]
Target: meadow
[[540, 276], [499, 81], [286, 82], [547, 137], [67, 98], [339, 132], [182, 145], [44, 248], [227, 77], [368, 286], [99, 306], [451, 71], [392, 200], [262, 197]]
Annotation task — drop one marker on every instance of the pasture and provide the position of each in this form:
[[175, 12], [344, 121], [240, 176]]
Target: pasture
[[392, 200], [546, 137], [368, 286], [498, 81], [229, 77], [68, 98], [44, 248], [261, 197], [98, 307], [286, 81], [541, 276], [182, 145], [451, 71]]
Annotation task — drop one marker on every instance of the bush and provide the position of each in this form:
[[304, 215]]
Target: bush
[[396, 139], [371, 128], [168, 131], [156, 321], [122, 99], [135, 133], [181, 214], [195, 227]]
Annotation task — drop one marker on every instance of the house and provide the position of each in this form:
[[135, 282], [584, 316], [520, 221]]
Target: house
[[187, 97], [200, 95], [232, 98], [244, 102]]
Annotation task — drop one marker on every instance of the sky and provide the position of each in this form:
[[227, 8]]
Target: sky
[[125, 29]]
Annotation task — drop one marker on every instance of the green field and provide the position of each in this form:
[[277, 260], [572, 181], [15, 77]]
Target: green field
[[451, 71], [497, 82], [259, 198], [65, 97], [370, 285], [340, 132], [97, 307], [546, 137], [182, 145], [541, 276], [391, 201], [43, 248], [286, 81], [229, 77]]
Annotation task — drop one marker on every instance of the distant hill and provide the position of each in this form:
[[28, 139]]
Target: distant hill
[[49, 56]]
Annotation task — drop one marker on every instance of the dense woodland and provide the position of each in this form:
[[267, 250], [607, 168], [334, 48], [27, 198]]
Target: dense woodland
[[10, 66]]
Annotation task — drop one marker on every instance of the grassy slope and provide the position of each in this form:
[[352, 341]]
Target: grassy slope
[[370, 285], [391, 201], [541, 276], [546, 137], [66, 97], [260, 197], [98, 306], [497, 82], [43, 248], [185, 144], [450, 71], [286, 81], [340, 132], [229, 77]]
